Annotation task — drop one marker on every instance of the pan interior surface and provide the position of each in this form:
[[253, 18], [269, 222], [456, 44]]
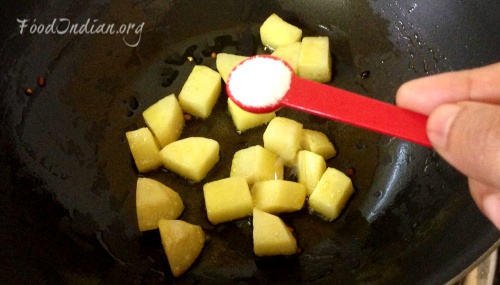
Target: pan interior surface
[[68, 185]]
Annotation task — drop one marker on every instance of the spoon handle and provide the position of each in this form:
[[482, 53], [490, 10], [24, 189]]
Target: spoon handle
[[347, 107]]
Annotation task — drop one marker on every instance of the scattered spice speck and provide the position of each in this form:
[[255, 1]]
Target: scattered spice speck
[[190, 58], [187, 117], [351, 171], [41, 81], [299, 250], [28, 91], [365, 74], [213, 55]]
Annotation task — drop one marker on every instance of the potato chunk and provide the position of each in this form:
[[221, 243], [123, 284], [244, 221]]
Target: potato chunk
[[200, 92], [227, 199], [315, 61], [275, 32], [318, 143], [155, 201], [256, 164], [282, 136], [191, 157], [310, 168], [278, 196], [165, 120], [226, 62], [144, 150], [182, 242], [331, 194], [244, 120], [271, 236], [290, 54]]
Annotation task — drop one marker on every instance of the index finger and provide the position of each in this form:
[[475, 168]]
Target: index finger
[[424, 94]]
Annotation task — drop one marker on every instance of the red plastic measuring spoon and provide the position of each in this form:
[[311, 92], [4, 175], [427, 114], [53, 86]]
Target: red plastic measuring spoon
[[258, 78]]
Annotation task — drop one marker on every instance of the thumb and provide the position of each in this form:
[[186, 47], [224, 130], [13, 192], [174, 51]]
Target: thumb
[[467, 135]]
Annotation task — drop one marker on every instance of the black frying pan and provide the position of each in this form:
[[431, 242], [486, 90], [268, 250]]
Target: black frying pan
[[67, 196]]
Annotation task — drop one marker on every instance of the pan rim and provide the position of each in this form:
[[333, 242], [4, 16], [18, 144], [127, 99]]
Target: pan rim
[[476, 263]]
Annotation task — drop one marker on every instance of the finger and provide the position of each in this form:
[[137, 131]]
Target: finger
[[487, 199], [467, 135], [424, 94]]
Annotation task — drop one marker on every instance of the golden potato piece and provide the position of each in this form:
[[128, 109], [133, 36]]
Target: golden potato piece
[[155, 201], [226, 62], [144, 150], [315, 60], [244, 120], [278, 196], [331, 194], [290, 54], [275, 32], [200, 92], [318, 143], [271, 236], [182, 242], [191, 157], [310, 168], [165, 120], [256, 164], [282, 136], [227, 199]]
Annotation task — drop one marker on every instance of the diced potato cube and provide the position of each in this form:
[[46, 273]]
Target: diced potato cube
[[226, 62], [200, 92], [182, 242], [278, 196], [256, 164], [155, 201], [282, 136], [227, 199], [144, 149], [290, 54], [191, 157], [310, 168], [244, 120], [165, 120], [331, 194], [271, 236], [275, 32], [315, 61], [318, 143]]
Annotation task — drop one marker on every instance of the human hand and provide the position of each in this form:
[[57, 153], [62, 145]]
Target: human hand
[[464, 126]]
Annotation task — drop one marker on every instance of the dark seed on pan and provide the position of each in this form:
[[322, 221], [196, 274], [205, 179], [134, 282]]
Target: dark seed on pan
[[41, 81], [28, 91], [207, 51], [168, 76], [365, 74], [175, 59], [198, 60]]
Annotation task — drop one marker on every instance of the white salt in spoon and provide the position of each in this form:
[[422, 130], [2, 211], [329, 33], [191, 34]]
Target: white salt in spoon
[[264, 83]]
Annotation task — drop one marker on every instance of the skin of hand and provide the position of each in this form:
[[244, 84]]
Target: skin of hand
[[464, 126]]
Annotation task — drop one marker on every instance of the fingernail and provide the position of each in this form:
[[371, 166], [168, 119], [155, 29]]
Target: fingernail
[[440, 122], [491, 208]]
